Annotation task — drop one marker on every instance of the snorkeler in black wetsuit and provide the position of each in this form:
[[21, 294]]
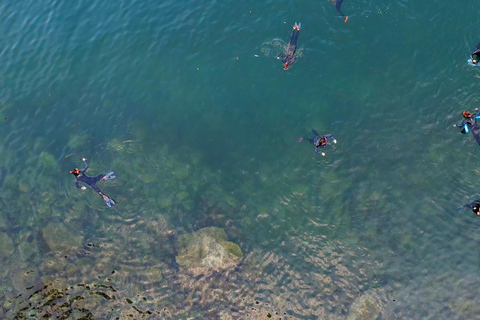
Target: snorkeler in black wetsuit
[[475, 56], [318, 141], [288, 58], [469, 123], [81, 176], [474, 206], [338, 4]]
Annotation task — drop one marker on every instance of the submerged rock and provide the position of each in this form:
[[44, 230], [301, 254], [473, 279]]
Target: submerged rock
[[365, 307], [76, 141], [59, 238], [154, 274], [46, 161], [27, 250], [464, 307], [207, 249], [6, 245]]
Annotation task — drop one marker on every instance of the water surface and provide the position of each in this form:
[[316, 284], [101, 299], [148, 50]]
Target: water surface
[[187, 97]]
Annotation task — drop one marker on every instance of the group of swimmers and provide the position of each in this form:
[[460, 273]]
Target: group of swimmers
[[288, 58], [469, 124]]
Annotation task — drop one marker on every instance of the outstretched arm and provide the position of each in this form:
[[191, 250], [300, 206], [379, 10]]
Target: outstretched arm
[[86, 164], [318, 152], [461, 124], [477, 113], [331, 136], [78, 184]]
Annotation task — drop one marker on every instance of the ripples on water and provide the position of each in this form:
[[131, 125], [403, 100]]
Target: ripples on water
[[155, 91]]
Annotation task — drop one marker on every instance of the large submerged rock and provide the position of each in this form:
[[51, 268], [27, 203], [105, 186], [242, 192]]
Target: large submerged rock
[[6, 245], [366, 307], [60, 239], [207, 249]]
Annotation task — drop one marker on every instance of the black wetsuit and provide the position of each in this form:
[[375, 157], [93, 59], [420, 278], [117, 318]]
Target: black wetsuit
[[338, 4], [89, 181], [476, 54], [470, 125], [315, 140], [474, 206], [289, 56], [81, 176]]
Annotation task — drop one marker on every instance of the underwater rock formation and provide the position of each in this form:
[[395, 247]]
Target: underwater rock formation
[[207, 249], [6, 245], [365, 307], [60, 239]]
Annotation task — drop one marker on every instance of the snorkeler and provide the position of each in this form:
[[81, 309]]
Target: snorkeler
[[81, 176], [288, 58], [469, 123], [474, 206], [318, 141], [475, 56], [338, 4]]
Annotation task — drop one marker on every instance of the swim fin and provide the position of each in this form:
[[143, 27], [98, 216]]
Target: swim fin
[[109, 176], [110, 203]]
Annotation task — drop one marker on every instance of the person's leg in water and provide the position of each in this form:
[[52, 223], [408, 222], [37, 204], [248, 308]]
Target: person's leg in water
[[110, 203], [310, 140], [475, 129], [338, 5], [92, 182], [109, 176], [295, 34]]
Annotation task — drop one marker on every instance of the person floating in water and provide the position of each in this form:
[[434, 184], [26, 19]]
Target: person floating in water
[[474, 206], [338, 4], [288, 58], [475, 56], [81, 176], [469, 123], [318, 141]]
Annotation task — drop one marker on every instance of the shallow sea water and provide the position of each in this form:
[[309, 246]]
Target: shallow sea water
[[186, 102]]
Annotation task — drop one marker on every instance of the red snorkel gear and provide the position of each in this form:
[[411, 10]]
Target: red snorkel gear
[[324, 142]]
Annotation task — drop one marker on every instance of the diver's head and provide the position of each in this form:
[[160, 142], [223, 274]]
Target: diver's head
[[476, 209], [321, 142], [286, 66], [75, 172], [467, 114]]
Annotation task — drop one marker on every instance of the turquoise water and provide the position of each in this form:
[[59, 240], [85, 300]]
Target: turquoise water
[[186, 102]]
